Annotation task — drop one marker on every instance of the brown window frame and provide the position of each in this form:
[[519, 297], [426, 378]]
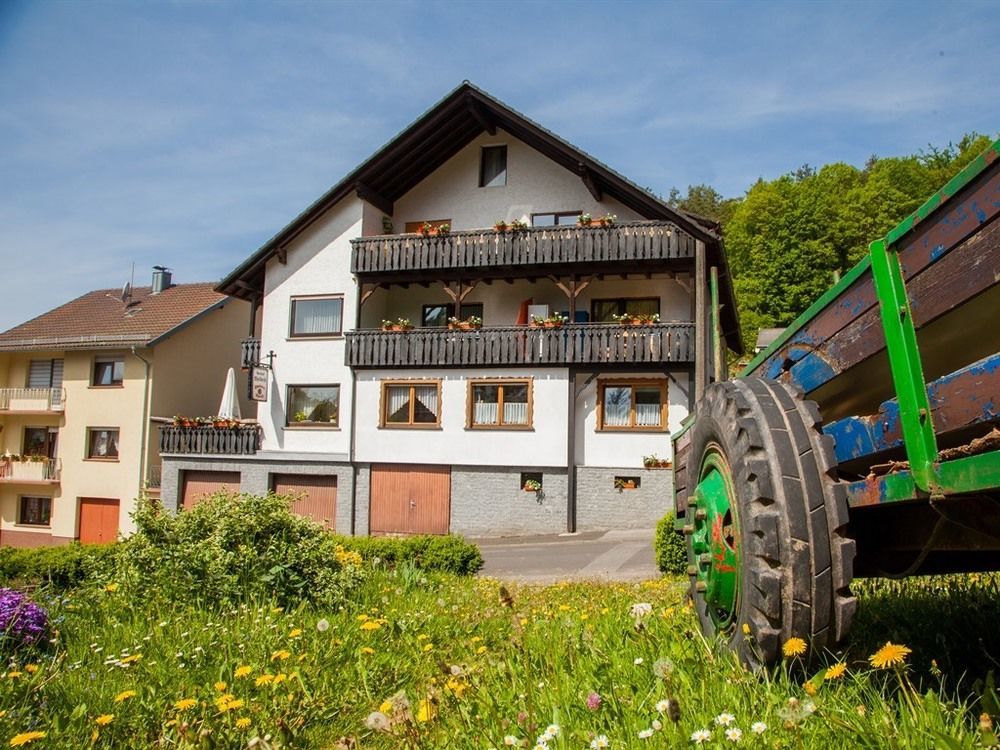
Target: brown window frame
[[90, 446], [634, 383], [308, 425], [383, 403], [501, 382], [20, 511], [621, 305], [339, 333], [104, 361]]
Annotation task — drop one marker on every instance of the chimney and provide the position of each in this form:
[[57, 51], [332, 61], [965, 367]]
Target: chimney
[[161, 279]]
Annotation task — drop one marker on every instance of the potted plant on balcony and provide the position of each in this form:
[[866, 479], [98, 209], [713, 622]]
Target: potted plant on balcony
[[500, 226], [472, 322], [426, 229], [655, 462], [608, 220], [624, 483], [532, 485], [518, 226], [443, 230], [584, 220], [400, 324]]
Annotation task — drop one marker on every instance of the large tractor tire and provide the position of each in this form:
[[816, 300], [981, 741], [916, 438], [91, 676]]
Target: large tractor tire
[[767, 545]]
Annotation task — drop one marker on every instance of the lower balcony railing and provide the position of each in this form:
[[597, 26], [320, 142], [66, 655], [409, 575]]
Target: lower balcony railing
[[30, 470], [579, 343], [32, 399], [215, 441]]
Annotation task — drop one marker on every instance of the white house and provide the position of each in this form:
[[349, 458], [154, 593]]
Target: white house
[[503, 428]]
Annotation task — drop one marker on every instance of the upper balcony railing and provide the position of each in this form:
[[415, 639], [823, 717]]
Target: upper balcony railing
[[30, 470], [249, 353], [211, 441], [537, 246], [33, 400], [580, 343]]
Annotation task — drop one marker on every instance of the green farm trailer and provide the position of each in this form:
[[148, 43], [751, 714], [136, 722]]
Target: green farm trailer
[[863, 442]]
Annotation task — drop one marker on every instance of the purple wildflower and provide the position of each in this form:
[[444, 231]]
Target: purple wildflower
[[21, 620], [593, 701]]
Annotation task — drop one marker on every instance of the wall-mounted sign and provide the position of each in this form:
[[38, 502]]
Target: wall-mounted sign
[[258, 384]]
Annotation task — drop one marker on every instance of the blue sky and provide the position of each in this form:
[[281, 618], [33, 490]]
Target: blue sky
[[187, 133]]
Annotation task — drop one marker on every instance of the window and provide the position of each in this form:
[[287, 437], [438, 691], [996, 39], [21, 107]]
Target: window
[[35, 511], [434, 316], [316, 316], [411, 404], [500, 403], [40, 441], [561, 219], [45, 373], [102, 443], [632, 405], [108, 371], [493, 166], [313, 405], [604, 310]]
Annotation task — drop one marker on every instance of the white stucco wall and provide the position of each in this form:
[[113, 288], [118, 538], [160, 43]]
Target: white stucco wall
[[535, 184], [318, 262], [453, 443]]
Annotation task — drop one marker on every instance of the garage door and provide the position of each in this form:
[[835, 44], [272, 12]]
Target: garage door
[[98, 520], [198, 484], [408, 499], [315, 496]]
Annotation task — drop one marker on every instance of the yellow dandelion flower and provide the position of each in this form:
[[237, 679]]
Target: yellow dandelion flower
[[276, 610], [14, 675], [371, 625], [221, 686], [243, 671], [30, 668], [264, 679], [794, 647], [429, 647], [810, 689], [280, 678], [362, 617], [564, 608], [890, 655], [366, 650], [104, 719], [124, 696], [422, 637], [131, 659], [836, 671], [475, 639], [746, 629], [224, 699], [242, 723], [25, 737], [481, 650], [280, 655], [185, 703], [231, 705], [295, 633], [111, 588], [425, 710], [386, 707]]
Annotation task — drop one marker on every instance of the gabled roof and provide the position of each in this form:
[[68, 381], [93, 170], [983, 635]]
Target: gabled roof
[[100, 320], [439, 134]]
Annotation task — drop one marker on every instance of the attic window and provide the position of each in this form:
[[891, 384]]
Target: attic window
[[493, 166]]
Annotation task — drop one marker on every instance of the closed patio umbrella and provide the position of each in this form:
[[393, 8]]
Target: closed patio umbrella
[[230, 406]]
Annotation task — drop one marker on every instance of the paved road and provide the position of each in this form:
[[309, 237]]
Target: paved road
[[608, 555]]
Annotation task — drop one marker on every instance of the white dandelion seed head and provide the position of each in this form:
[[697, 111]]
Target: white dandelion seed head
[[656, 724], [645, 734], [323, 625]]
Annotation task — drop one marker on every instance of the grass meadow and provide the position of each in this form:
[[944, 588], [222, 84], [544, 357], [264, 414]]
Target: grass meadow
[[432, 660]]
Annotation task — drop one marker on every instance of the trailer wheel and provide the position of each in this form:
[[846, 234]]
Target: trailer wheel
[[767, 525]]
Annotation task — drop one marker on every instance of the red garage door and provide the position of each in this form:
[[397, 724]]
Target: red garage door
[[98, 520], [410, 499], [198, 484], [315, 495]]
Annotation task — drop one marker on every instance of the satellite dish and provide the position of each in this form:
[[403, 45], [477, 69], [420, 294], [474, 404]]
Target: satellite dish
[[126, 292]]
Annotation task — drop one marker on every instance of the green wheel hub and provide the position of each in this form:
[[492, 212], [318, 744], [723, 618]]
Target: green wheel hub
[[715, 540]]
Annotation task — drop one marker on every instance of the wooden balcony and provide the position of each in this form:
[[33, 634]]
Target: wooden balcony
[[643, 242], [32, 400], [513, 346], [30, 470], [210, 441]]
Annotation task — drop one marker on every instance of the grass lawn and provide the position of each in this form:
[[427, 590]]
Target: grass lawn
[[437, 661]]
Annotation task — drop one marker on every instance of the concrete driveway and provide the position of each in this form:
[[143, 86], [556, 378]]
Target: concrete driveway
[[604, 555]]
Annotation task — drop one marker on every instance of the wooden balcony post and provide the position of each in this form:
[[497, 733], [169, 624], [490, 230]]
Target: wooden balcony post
[[700, 329]]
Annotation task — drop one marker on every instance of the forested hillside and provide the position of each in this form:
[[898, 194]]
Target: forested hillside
[[787, 238]]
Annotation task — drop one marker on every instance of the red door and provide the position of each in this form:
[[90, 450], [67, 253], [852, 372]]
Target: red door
[[198, 484], [98, 520], [315, 495], [409, 499]]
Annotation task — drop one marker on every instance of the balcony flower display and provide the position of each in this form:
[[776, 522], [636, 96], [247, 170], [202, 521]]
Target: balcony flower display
[[457, 324], [532, 485], [655, 462], [400, 324], [584, 220], [500, 226], [553, 321], [518, 226], [640, 319]]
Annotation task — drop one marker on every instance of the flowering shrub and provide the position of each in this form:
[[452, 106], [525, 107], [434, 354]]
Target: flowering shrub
[[669, 547], [22, 622]]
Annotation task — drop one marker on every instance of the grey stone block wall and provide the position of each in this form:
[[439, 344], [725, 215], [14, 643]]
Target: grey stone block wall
[[362, 498], [255, 478], [489, 501], [600, 506]]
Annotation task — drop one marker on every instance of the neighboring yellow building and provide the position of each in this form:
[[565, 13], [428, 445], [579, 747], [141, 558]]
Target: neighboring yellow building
[[80, 387]]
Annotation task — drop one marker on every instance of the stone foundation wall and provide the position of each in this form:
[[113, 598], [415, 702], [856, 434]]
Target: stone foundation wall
[[599, 505], [489, 501]]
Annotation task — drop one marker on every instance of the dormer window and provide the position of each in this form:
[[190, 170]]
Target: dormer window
[[493, 166]]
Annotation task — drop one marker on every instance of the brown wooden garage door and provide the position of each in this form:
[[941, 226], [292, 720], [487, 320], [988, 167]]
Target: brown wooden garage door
[[316, 496], [409, 499], [98, 520], [198, 484]]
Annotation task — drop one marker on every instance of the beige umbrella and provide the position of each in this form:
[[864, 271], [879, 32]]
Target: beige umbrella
[[230, 406]]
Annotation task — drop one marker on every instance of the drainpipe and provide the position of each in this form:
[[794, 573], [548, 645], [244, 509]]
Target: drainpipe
[[571, 456], [145, 421]]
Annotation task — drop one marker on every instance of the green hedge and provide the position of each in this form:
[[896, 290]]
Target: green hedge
[[448, 554], [62, 567], [669, 546]]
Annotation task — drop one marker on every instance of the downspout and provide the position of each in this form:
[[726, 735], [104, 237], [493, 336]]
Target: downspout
[[144, 449]]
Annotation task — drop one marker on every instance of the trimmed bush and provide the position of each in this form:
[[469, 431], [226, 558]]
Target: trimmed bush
[[446, 554], [669, 546], [61, 567]]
